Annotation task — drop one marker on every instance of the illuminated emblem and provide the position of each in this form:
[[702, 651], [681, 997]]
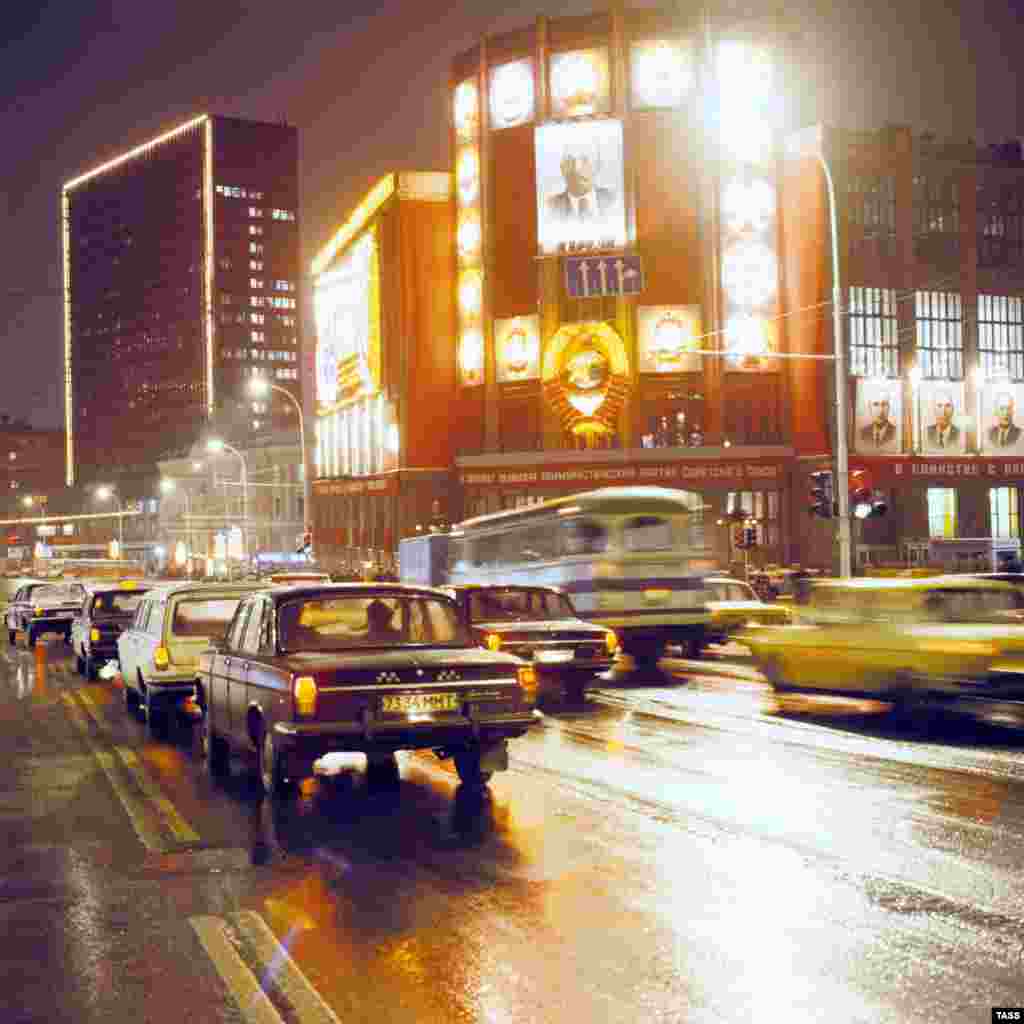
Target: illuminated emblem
[[662, 73], [512, 94], [467, 237], [668, 339], [585, 377], [467, 175], [517, 342], [580, 83]]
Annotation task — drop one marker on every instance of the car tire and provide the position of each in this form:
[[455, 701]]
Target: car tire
[[156, 718], [467, 764], [216, 755], [89, 668], [270, 766], [131, 700]]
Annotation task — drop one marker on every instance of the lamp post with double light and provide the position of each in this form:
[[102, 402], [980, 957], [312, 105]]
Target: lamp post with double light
[[260, 387], [216, 445], [109, 494]]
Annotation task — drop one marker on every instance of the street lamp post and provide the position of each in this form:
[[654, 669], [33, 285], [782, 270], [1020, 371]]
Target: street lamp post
[[103, 494], [261, 386], [216, 445], [168, 486]]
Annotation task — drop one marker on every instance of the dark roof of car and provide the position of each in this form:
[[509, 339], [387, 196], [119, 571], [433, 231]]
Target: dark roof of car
[[303, 590], [461, 587]]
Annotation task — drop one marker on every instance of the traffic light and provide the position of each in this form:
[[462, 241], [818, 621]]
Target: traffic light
[[750, 536], [821, 494], [865, 501]]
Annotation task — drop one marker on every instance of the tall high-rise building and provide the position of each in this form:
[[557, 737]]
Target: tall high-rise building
[[181, 274]]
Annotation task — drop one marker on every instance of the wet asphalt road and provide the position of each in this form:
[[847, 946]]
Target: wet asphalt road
[[683, 848]]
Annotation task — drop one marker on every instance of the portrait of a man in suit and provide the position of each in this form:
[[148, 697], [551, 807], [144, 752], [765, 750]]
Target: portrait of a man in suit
[[880, 433], [943, 432], [582, 200], [1004, 433]]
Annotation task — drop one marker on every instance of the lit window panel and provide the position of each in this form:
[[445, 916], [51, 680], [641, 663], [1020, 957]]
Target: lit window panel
[[466, 110], [471, 357], [467, 175], [512, 94], [661, 73], [471, 287], [748, 339], [750, 274], [748, 206], [468, 237], [517, 344], [580, 83]]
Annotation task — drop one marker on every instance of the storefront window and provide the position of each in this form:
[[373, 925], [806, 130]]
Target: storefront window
[[1004, 515], [942, 512]]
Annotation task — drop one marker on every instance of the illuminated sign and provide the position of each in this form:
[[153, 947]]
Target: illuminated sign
[[512, 99], [668, 339], [346, 305], [517, 343], [580, 83], [662, 73], [580, 185]]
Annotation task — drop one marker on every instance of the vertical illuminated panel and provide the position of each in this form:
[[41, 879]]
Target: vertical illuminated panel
[[380, 433], [208, 220], [69, 428]]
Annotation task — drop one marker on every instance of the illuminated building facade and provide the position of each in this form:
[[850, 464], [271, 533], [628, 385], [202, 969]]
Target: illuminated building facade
[[181, 272], [383, 299]]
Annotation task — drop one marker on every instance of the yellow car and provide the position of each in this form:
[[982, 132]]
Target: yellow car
[[733, 605], [898, 640]]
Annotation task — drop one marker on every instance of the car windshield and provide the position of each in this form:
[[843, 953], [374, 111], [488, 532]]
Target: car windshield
[[368, 620], [203, 616], [62, 593], [117, 603], [517, 604]]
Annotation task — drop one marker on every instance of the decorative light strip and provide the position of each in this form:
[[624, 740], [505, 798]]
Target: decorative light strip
[[208, 208], [374, 200], [69, 519], [69, 428], [137, 151]]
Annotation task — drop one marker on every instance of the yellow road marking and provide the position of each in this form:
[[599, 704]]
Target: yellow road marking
[[182, 831], [241, 982]]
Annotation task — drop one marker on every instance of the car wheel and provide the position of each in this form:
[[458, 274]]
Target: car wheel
[[215, 750], [382, 771], [645, 652], [156, 718], [467, 764], [271, 766], [89, 668]]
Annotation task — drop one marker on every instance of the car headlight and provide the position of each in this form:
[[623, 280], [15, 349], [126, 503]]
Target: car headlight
[[304, 689], [492, 641], [161, 657], [94, 635], [527, 679], [611, 641]]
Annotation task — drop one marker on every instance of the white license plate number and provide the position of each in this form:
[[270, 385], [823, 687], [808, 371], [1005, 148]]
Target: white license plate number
[[418, 703]]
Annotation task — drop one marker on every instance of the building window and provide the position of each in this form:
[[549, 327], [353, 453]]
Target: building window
[[255, 211], [255, 229], [874, 342], [940, 342], [257, 335], [256, 248], [936, 218], [872, 207], [1000, 226], [256, 318], [1004, 514], [1001, 336], [256, 283], [942, 512], [256, 265]]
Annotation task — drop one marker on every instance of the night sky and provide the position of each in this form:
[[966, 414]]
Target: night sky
[[364, 81]]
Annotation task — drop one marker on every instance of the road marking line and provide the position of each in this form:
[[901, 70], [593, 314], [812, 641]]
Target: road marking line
[[241, 982], [288, 979], [182, 831], [135, 808]]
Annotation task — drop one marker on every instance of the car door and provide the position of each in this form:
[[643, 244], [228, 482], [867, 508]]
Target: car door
[[79, 626], [241, 669], [12, 609], [128, 642], [226, 663]]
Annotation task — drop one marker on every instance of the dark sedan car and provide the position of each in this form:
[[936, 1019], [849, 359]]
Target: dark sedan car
[[540, 625], [376, 668], [39, 608], [105, 613]]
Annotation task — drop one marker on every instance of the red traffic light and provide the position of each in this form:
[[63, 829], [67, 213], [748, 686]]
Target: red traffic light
[[821, 494]]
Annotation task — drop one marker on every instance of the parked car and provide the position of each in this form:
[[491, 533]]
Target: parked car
[[39, 608], [540, 625], [733, 605], [105, 613], [377, 668], [953, 638], [159, 652]]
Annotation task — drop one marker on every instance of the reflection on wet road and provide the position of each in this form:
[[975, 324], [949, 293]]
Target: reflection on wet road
[[686, 847]]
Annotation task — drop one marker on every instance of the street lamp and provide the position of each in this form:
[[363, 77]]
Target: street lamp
[[260, 386], [105, 494], [216, 445], [169, 486]]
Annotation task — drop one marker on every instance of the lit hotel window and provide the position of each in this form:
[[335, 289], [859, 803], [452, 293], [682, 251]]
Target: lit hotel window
[[255, 229], [256, 265], [255, 211], [255, 282]]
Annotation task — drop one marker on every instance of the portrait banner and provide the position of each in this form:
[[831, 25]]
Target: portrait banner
[[580, 198], [942, 422], [878, 419], [1000, 432]]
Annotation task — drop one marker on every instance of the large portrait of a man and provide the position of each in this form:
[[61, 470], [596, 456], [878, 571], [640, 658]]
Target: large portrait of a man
[[580, 185], [941, 405], [1001, 433], [878, 426]]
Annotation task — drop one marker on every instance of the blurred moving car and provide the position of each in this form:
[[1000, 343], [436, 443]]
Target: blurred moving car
[[159, 652], [306, 671], [540, 625], [733, 605], [39, 608], [107, 610], [899, 640]]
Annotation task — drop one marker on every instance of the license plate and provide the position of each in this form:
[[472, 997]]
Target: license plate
[[418, 703]]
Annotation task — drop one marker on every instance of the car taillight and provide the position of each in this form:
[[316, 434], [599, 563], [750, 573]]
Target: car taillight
[[527, 678], [161, 657], [611, 641], [94, 635], [304, 689], [492, 641]]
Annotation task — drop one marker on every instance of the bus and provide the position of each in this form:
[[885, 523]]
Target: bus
[[631, 558]]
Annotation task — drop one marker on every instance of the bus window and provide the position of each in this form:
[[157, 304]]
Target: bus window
[[647, 533], [539, 543], [585, 537]]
